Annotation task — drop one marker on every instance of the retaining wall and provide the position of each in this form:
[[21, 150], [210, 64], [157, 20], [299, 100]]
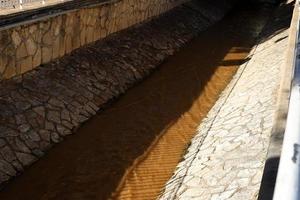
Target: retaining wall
[[24, 47]]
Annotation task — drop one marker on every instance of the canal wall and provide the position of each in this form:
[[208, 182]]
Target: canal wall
[[26, 45], [48, 103]]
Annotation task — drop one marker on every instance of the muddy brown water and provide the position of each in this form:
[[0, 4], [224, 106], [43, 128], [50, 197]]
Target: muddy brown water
[[132, 147]]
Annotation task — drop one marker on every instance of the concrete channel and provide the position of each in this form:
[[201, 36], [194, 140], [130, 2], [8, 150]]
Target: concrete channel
[[131, 147]]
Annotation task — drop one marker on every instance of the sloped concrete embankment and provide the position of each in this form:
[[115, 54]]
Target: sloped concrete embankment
[[41, 107]]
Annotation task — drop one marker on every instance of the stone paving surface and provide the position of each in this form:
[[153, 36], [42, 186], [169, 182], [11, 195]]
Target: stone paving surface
[[41, 107], [226, 158]]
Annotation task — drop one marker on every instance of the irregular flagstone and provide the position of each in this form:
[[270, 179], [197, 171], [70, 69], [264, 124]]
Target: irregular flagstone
[[41, 107], [226, 157]]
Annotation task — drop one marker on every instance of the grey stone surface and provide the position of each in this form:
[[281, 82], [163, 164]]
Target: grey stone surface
[[226, 157]]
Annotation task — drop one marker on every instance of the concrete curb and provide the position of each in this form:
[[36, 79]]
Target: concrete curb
[[277, 134]]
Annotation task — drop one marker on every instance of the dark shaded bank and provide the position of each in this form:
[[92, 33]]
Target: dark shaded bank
[[91, 163]]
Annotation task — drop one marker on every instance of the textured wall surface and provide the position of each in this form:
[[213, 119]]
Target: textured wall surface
[[27, 46]]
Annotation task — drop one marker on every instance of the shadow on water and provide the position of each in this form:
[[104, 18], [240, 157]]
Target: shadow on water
[[91, 163]]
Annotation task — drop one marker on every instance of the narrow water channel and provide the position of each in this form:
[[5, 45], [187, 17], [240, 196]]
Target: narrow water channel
[[132, 147]]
